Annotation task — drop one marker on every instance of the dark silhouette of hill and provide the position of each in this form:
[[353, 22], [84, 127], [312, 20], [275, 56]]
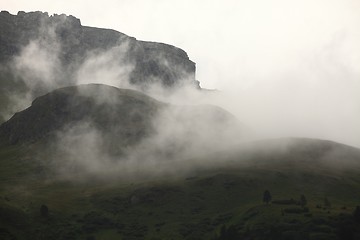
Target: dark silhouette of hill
[[121, 113], [121, 117]]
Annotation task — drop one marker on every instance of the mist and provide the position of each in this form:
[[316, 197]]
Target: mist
[[286, 68], [174, 141], [283, 69]]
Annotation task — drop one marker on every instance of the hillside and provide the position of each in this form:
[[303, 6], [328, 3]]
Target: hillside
[[124, 113], [204, 203], [98, 162], [120, 118]]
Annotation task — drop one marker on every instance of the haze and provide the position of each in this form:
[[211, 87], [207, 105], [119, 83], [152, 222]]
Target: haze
[[285, 68]]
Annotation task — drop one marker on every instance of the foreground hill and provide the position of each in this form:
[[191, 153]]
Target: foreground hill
[[209, 201]]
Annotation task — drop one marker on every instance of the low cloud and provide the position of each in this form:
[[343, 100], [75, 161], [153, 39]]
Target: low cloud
[[111, 67], [275, 86], [179, 139]]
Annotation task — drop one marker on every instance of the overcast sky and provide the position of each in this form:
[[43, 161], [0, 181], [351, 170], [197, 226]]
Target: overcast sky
[[301, 57], [230, 40]]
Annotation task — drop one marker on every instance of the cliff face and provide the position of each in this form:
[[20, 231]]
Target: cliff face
[[57, 46], [154, 62]]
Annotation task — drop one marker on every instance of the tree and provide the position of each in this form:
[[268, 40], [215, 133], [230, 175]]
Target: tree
[[327, 202], [357, 214], [267, 197], [44, 210], [303, 200]]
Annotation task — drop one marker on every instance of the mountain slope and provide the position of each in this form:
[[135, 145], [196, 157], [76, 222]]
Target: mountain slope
[[109, 109], [298, 153], [203, 197], [196, 205], [117, 119]]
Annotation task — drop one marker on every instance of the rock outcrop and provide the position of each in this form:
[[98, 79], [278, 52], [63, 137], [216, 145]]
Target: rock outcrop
[[153, 62]]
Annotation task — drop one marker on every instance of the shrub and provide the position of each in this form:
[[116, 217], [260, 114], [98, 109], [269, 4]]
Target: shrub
[[267, 196], [44, 211], [303, 200], [357, 214]]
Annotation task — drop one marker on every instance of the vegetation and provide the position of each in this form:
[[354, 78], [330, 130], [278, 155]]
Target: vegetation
[[44, 211], [303, 201], [357, 214], [267, 197], [221, 203]]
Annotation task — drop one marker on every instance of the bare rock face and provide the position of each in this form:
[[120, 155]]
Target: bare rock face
[[162, 63]]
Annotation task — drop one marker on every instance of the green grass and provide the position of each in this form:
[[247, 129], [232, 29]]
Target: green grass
[[178, 208]]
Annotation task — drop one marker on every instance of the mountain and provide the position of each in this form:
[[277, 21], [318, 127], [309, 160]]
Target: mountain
[[92, 161], [124, 113], [120, 117], [160, 62], [55, 183], [39, 53]]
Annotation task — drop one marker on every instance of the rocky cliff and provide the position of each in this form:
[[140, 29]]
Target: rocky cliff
[[40, 53], [160, 62]]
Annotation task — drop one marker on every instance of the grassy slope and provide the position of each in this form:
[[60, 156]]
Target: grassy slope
[[181, 208]]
